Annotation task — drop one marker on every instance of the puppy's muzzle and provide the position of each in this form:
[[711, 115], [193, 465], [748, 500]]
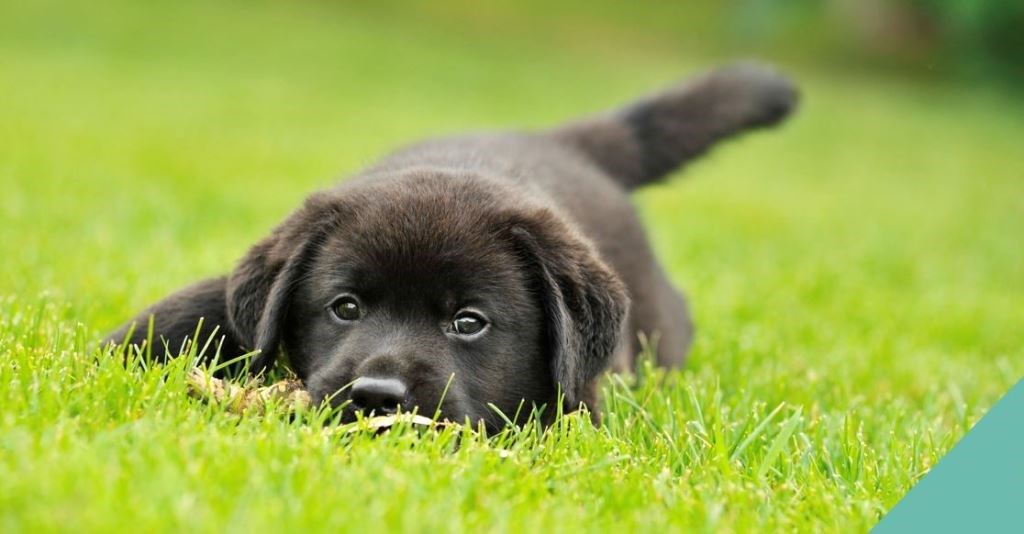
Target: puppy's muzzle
[[380, 396]]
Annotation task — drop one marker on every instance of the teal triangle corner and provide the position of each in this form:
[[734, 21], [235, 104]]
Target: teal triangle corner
[[978, 486]]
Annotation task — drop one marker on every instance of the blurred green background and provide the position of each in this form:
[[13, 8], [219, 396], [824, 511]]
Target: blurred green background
[[153, 114], [859, 271]]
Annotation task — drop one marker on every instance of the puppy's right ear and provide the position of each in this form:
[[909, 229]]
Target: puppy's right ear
[[259, 289]]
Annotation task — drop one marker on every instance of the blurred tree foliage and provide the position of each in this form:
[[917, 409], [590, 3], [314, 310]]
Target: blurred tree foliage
[[987, 35], [965, 37], [976, 39]]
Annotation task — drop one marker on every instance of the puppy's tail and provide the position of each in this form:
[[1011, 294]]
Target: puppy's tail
[[653, 137]]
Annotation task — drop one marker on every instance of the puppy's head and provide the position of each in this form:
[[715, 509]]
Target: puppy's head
[[430, 292]]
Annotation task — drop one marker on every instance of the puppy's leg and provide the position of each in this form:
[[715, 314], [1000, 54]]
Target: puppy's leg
[[651, 138], [175, 319]]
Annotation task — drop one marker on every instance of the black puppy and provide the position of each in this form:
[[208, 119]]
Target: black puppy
[[473, 271]]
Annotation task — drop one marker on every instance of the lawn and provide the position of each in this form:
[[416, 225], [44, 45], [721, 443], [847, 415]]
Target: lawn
[[857, 276]]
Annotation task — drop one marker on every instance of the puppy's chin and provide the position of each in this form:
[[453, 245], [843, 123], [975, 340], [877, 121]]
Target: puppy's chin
[[450, 412]]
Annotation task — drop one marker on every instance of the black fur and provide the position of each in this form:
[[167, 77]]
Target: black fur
[[654, 136], [176, 317], [534, 231]]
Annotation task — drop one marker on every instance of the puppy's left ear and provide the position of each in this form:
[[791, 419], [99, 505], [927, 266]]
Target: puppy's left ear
[[585, 301], [260, 288]]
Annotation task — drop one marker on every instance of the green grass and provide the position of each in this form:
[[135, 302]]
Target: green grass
[[857, 276]]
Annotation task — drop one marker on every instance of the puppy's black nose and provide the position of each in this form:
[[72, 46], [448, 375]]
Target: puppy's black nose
[[379, 395]]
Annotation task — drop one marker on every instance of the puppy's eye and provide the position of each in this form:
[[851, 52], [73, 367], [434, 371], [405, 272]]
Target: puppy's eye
[[346, 308], [468, 323]]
